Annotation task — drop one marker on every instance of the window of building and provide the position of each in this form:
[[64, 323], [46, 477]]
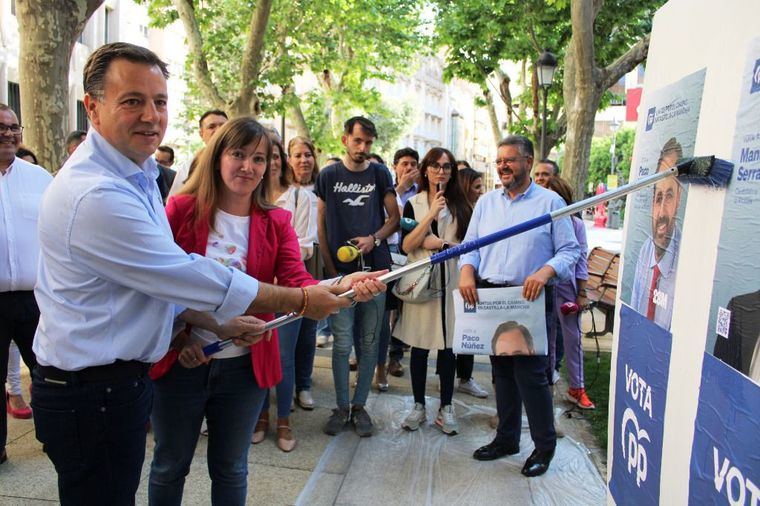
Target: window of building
[[107, 29], [82, 122], [14, 99]]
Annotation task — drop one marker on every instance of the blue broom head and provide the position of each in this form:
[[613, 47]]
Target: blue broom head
[[706, 170]]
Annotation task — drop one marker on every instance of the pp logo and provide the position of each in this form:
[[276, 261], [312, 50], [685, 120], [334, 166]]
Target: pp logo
[[637, 455], [470, 308], [650, 119], [755, 78]]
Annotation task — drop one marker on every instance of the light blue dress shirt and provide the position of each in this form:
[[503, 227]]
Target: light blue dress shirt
[[512, 260], [111, 278], [663, 309]]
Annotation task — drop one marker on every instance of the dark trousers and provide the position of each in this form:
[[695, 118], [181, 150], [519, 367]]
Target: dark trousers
[[94, 433], [524, 380], [306, 348], [445, 369], [18, 322], [465, 365]]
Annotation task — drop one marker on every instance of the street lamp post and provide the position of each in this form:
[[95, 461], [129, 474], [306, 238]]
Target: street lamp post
[[614, 205], [546, 65]]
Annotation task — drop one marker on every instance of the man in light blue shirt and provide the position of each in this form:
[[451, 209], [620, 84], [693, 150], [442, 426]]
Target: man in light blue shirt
[[111, 279], [533, 260]]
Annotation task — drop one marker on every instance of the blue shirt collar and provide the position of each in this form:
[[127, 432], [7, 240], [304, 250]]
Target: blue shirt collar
[[527, 193], [117, 162]]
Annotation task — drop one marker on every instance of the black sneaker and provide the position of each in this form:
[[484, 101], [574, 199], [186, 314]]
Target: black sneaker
[[362, 421], [336, 422]]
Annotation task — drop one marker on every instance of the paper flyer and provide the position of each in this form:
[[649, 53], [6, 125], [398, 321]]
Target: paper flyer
[[501, 323]]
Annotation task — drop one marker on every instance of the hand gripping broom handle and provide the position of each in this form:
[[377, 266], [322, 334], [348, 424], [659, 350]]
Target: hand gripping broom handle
[[466, 247]]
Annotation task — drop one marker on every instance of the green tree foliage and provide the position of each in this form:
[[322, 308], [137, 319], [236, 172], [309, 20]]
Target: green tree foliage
[[481, 34], [344, 43], [599, 159]]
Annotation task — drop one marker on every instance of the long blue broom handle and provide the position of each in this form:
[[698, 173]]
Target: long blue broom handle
[[480, 242]]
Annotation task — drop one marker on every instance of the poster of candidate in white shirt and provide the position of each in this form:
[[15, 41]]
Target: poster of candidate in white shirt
[[655, 215], [502, 323]]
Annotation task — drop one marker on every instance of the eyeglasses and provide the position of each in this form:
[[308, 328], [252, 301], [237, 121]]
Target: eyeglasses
[[508, 161], [437, 167], [15, 129]]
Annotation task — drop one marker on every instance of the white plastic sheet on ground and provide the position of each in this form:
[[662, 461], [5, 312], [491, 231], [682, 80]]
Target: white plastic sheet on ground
[[427, 467]]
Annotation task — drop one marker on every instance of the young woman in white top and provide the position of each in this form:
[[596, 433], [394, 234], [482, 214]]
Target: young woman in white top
[[300, 203]]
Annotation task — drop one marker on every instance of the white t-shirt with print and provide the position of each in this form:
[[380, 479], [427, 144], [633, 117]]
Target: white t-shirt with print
[[228, 245]]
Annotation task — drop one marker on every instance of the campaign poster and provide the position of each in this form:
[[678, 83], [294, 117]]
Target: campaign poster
[[643, 366], [655, 214], [501, 323], [725, 458], [725, 455], [734, 323]]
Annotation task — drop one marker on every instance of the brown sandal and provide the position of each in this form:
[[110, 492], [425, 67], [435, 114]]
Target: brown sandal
[[262, 427], [285, 440]]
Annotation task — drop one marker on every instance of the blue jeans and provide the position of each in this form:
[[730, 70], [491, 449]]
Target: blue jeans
[[226, 392], [94, 433], [368, 316], [287, 336], [306, 348]]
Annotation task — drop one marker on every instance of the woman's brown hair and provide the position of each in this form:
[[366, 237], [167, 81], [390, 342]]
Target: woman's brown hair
[[306, 142], [455, 198], [206, 182]]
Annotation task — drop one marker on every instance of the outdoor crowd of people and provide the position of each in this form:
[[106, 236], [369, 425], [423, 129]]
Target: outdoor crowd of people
[[119, 271]]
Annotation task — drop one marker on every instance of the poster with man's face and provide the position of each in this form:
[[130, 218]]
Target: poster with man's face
[[655, 215]]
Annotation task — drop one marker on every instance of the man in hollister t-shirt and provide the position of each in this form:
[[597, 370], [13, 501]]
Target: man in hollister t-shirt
[[354, 195]]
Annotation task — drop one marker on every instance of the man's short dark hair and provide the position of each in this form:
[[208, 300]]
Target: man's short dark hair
[[377, 157], [672, 146], [364, 124], [401, 153], [22, 152], [522, 143], [465, 163], [167, 149], [97, 64], [75, 137], [211, 112], [555, 167], [511, 325]]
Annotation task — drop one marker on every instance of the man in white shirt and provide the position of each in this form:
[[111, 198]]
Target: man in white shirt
[[111, 279], [21, 187]]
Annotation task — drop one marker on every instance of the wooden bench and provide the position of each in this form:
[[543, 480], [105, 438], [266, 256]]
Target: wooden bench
[[603, 266]]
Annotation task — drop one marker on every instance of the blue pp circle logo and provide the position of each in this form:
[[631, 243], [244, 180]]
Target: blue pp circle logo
[[470, 308], [755, 78]]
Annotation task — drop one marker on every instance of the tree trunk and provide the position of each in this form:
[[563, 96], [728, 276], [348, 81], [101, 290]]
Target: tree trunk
[[492, 116], [48, 30], [583, 88], [296, 114], [247, 100]]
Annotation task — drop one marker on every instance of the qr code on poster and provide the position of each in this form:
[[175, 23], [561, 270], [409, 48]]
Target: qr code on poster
[[723, 322]]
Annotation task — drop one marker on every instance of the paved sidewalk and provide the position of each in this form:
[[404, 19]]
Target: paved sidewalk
[[276, 478]]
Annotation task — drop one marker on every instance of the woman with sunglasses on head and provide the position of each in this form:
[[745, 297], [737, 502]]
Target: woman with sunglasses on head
[[223, 212], [442, 212], [303, 219]]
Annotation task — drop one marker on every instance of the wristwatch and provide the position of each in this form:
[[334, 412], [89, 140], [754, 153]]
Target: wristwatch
[[377, 241]]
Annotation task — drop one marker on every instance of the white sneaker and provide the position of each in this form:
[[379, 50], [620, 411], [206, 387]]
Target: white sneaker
[[447, 420], [323, 340], [471, 387], [555, 377], [415, 418]]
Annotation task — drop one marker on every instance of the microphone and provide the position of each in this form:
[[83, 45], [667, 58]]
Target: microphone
[[408, 224], [569, 308], [348, 253]]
